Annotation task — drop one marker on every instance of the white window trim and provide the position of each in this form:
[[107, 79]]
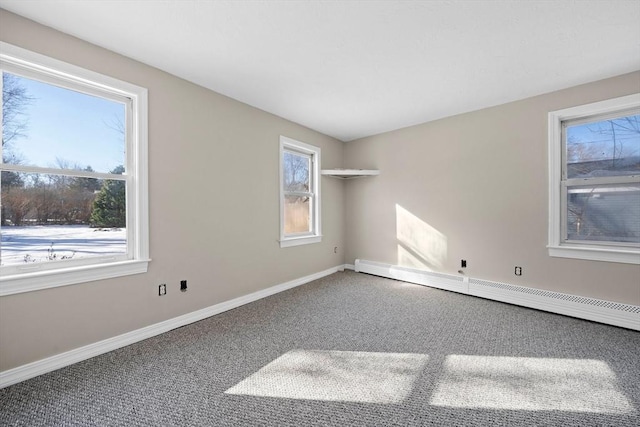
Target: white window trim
[[137, 171], [316, 235], [556, 247]]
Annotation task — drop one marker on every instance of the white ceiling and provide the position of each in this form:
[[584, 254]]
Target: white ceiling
[[356, 68]]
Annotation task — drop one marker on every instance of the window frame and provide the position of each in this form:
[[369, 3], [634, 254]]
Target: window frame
[[558, 185], [38, 276], [315, 235]]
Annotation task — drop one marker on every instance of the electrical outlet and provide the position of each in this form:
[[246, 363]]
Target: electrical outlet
[[183, 285], [162, 289], [518, 271]]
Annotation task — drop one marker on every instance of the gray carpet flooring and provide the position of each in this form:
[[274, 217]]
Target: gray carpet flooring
[[351, 350]]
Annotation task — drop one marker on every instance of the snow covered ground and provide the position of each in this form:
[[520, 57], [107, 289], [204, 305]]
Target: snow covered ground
[[35, 242]]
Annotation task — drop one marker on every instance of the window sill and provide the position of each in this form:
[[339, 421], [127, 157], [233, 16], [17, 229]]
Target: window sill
[[35, 281], [297, 241], [608, 254]]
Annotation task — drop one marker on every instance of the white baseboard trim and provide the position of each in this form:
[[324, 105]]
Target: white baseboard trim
[[49, 364], [611, 313]]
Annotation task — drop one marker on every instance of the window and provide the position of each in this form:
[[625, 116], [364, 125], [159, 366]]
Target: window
[[299, 193], [594, 194], [73, 174]]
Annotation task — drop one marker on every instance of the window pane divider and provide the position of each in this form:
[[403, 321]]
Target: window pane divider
[[65, 172], [298, 194], [602, 180]]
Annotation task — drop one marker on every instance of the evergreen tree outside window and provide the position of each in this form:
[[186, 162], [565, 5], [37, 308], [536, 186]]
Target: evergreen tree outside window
[[109, 205]]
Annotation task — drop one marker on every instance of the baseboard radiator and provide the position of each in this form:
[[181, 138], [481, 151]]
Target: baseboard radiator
[[611, 313]]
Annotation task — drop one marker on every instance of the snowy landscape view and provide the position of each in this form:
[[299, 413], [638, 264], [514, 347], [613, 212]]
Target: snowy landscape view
[[22, 245]]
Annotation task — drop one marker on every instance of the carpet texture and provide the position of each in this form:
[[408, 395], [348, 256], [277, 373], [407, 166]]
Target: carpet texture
[[351, 350]]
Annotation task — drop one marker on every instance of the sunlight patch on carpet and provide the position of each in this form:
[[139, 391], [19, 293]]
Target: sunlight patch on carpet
[[532, 384], [347, 376]]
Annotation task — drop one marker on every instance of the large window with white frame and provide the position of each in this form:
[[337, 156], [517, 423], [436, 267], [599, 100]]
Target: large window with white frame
[[594, 193], [299, 193], [73, 174]]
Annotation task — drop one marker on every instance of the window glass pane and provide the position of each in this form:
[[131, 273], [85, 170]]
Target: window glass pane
[[297, 211], [49, 126], [297, 168], [604, 148], [604, 213], [53, 217]]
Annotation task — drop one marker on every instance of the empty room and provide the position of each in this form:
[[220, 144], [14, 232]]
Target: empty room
[[320, 213]]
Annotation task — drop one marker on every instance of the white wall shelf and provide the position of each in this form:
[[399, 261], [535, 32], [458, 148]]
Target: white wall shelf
[[350, 173]]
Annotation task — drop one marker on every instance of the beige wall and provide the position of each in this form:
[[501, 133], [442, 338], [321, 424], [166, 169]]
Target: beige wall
[[474, 187], [214, 216]]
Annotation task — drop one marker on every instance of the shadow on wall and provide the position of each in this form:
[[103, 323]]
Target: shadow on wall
[[419, 244]]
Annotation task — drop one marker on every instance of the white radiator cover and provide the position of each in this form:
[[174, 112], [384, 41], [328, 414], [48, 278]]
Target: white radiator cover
[[611, 313]]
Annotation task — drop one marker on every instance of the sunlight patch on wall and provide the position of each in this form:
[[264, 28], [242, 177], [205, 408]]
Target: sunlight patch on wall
[[419, 244], [347, 376], [531, 384], [407, 259]]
